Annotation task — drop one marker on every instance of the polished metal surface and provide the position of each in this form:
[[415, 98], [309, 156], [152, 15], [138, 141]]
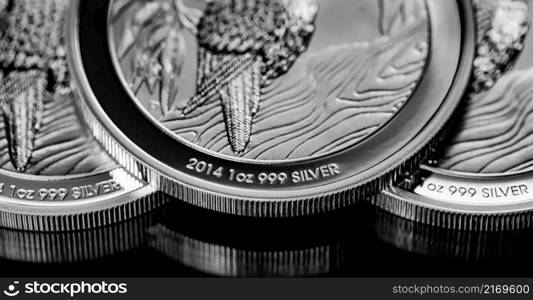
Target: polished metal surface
[[303, 122], [455, 245], [313, 95], [227, 260], [75, 246], [482, 179], [238, 246], [53, 174]]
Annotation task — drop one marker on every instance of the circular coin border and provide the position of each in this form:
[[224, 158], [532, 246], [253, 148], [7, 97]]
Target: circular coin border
[[459, 215], [135, 197], [153, 154]]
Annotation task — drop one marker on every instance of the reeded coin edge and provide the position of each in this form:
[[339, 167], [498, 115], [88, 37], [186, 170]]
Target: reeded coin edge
[[438, 213], [413, 207], [249, 206], [279, 207], [50, 219]]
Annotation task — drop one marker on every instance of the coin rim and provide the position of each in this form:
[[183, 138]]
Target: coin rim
[[64, 215], [241, 202]]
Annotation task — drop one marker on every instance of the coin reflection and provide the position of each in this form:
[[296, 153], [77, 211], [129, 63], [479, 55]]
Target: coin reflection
[[463, 245], [233, 246], [226, 260], [75, 246]]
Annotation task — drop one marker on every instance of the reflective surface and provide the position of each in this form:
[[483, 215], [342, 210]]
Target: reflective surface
[[308, 248]]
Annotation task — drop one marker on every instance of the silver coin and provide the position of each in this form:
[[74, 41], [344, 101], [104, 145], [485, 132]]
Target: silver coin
[[53, 174], [271, 108], [482, 180]]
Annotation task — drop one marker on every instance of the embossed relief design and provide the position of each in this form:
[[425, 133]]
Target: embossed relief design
[[39, 129], [496, 133], [324, 75], [62, 146]]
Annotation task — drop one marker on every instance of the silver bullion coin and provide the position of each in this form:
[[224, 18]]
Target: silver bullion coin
[[483, 178], [53, 174], [271, 108]]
